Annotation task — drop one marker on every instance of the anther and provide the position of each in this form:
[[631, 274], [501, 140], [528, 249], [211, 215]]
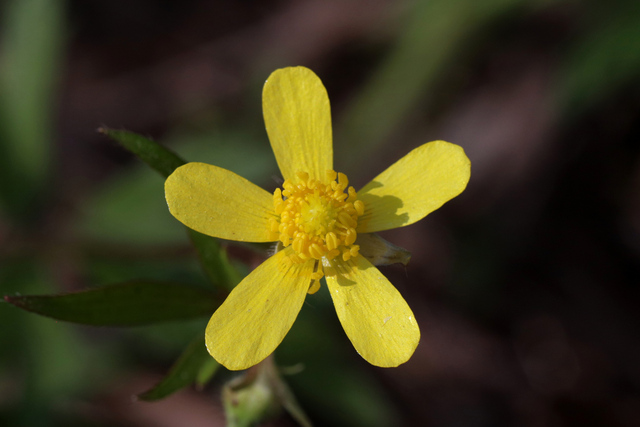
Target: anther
[[332, 254], [350, 237], [346, 219], [343, 180], [304, 176], [355, 249], [298, 244], [331, 240], [317, 275], [314, 287], [352, 194], [316, 251]]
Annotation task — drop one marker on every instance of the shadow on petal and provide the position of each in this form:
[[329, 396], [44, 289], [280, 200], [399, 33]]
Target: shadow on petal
[[381, 212]]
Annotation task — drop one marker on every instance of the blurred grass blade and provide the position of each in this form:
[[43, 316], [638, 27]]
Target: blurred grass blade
[[31, 49], [436, 33], [155, 155], [184, 372], [126, 304], [214, 260], [212, 257], [603, 60]]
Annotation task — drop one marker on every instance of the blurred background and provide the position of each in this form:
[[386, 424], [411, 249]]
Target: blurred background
[[525, 286]]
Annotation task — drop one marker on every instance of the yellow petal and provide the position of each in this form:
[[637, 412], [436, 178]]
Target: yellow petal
[[219, 203], [259, 312], [414, 186], [374, 315], [298, 121]]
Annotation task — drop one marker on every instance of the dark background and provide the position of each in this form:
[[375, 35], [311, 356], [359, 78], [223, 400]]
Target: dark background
[[525, 286]]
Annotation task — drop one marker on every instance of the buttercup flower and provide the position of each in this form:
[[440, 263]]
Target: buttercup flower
[[320, 224]]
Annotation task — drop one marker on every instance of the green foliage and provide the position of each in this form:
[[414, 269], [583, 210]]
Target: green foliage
[[243, 151], [212, 256], [130, 210], [248, 401], [436, 33], [355, 397], [49, 359], [258, 394], [194, 365], [603, 60], [207, 370], [32, 42], [160, 158], [128, 304], [126, 220], [214, 261]]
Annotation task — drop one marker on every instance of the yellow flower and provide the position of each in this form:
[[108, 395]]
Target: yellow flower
[[316, 218]]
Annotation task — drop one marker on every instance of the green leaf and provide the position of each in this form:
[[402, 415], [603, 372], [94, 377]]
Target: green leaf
[[184, 372], [128, 304], [155, 155]]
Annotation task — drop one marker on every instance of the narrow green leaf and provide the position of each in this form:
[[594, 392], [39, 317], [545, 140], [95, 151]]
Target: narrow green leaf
[[155, 155], [126, 304], [184, 372]]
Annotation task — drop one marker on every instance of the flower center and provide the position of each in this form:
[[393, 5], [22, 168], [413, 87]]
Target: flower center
[[318, 220]]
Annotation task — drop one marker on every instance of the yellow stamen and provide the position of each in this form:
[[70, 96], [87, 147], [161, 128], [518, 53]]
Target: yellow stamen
[[359, 206], [354, 250], [315, 287], [318, 219], [331, 240], [350, 237], [304, 176]]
